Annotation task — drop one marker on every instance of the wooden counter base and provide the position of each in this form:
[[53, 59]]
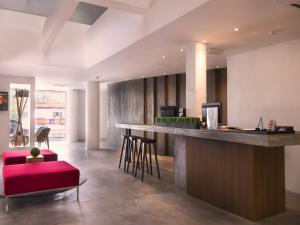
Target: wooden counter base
[[244, 179], [239, 172]]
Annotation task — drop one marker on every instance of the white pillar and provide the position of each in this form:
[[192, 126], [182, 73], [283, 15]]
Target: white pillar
[[195, 78], [92, 115], [72, 115]]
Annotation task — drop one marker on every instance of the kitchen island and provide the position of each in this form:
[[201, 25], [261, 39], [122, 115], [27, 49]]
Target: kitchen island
[[241, 172]]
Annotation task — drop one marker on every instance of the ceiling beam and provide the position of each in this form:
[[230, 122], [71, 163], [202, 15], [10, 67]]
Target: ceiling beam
[[132, 6], [61, 12]]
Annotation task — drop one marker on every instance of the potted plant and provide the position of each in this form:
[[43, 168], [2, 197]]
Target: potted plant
[[35, 152], [179, 122]]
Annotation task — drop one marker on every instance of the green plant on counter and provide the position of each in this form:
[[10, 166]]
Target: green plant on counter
[[180, 122]]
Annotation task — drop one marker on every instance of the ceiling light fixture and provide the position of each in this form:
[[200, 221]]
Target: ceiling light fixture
[[163, 57], [217, 67], [236, 29], [165, 73], [204, 41], [181, 50]]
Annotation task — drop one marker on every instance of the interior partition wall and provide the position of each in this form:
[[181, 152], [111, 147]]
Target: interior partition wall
[[139, 101]]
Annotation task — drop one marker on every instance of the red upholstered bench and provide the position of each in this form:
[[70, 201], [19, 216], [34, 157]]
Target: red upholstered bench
[[21, 179], [19, 157]]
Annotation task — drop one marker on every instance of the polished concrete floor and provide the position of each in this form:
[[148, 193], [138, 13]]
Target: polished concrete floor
[[111, 196]]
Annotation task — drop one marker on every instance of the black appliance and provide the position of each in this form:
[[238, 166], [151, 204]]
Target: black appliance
[[169, 111]]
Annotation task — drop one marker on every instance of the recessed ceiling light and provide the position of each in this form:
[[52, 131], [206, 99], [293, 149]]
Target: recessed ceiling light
[[143, 76], [217, 67], [236, 29], [204, 41], [163, 57], [165, 73], [181, 50]]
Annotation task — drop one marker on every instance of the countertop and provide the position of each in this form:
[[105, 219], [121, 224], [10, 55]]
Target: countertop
[[266, 140]]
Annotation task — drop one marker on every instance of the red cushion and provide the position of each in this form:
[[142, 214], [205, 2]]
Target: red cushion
[[19, 157], [32, 177]]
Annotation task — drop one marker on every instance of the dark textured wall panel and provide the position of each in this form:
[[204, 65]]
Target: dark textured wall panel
[[217, 89], [221, 91], [161, 100], [126, 105], [139, 102], [172, 100], [211, 86], [181, 86], [114, 114], [172, 90]]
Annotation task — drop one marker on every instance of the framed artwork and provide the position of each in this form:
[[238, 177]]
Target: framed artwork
[[3, 101]]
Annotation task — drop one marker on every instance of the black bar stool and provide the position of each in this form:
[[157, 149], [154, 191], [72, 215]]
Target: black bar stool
[[133, 150], [134, 153], [126, 142], [143, 152]]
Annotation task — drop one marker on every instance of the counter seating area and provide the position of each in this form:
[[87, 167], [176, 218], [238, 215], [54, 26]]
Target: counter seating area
[[222, 166], [140, 157]]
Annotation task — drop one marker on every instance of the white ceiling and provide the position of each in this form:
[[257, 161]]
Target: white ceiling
[[261, 23]]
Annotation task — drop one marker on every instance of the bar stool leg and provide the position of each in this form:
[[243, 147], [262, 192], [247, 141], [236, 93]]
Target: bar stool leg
[[143, 163], [130, 152], [146, 152], [138, 158], [126, 153], [156, 160], [121, 155], [134, 152], [150, 156]]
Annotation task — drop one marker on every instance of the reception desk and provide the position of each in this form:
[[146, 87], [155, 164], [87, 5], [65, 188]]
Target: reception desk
[[238, 171]]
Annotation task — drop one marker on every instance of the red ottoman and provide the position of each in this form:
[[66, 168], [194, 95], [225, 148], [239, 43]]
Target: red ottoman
[[19, 157], [34, 177]]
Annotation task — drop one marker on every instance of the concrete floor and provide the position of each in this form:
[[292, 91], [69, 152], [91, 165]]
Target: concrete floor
[[111, 196]]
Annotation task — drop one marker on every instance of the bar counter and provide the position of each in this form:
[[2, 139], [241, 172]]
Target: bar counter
[[236, 136], [238, 171]]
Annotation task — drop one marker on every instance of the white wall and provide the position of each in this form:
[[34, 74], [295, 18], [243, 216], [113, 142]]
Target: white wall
[[103, 111], [266, 82], [5, 82]]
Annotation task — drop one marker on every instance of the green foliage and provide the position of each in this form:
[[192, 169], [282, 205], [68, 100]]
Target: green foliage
[[35, 152], [182, 122]]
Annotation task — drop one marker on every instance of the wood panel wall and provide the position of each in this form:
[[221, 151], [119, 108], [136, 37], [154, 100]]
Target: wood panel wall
[[139, 102], [244, 179], [217, 89]]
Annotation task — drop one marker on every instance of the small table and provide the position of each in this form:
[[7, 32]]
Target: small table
[[31, 159]]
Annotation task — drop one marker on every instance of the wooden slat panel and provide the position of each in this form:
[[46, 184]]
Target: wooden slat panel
[[244, 179], [114, 115], [161, 100]]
